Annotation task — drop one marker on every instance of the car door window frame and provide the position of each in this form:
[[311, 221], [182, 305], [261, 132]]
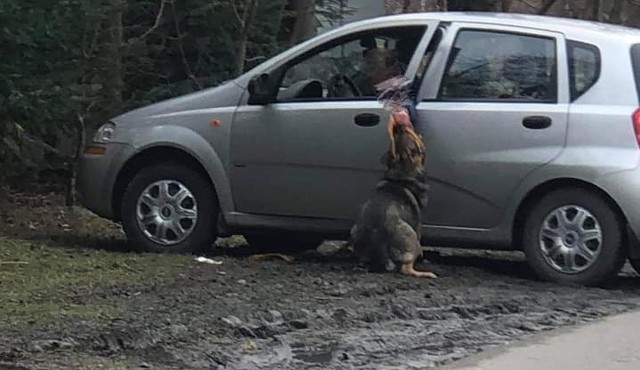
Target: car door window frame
[[432, 82], [341, 40], [276, 66]]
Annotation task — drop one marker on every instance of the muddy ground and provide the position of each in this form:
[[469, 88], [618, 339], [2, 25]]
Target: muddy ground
[[319, 312]]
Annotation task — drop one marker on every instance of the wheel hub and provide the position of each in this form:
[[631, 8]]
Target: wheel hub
[[167, 212], [570, 239]]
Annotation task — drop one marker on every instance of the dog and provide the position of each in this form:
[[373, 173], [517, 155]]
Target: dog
[[387, 231]]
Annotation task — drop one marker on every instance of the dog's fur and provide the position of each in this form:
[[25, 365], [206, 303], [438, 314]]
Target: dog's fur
[[388, 229]]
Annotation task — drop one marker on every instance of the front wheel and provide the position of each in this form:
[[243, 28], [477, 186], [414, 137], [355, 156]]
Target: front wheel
[[169, 208], [574, 236]]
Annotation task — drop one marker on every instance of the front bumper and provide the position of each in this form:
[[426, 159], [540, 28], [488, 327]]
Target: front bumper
[[97, 176]]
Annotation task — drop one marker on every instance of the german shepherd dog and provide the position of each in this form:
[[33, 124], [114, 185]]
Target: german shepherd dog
[[387, 231]]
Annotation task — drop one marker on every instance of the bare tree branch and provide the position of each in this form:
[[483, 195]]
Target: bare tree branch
[[235, 11], [181, 47], [155, 25], [530, 5], [546, 5], [569, 9], [241, 51]]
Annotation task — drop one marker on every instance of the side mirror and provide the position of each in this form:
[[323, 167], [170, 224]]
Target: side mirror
[[261, 91]]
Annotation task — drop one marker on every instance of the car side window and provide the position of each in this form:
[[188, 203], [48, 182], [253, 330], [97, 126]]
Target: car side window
[[584, 67], [350, 68], [501, 66]]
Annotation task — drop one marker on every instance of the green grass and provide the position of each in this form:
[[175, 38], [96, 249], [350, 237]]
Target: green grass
[[38, 280]]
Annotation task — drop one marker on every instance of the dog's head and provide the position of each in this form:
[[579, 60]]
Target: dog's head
[[406, 155]]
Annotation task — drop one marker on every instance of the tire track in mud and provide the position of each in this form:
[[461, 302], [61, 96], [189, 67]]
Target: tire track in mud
[[424, 338], [321, 313]]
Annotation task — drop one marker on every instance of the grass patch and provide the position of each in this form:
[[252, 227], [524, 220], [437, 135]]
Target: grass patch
[[38, 280]]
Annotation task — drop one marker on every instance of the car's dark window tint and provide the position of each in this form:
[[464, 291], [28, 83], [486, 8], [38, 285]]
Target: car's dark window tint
[[501, 66], [584, 67], [635, 59], [350, 68]]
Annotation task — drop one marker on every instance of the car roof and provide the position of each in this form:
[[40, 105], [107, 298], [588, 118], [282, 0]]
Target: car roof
[[544, 22]]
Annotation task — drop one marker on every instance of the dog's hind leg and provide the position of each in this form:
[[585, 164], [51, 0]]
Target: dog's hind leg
[[406, 249], [408, 269]]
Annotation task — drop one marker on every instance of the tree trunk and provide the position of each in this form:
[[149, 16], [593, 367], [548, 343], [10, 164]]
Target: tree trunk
[[245, 28], [74, 164], [472, 5], [305, 23], [595, 10], [113, 83], [506, 5], [615, 14], [405, 6]]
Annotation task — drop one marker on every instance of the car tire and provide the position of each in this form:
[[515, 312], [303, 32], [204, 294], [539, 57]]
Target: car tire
[[282, 241], [169, 208], [574, 236]]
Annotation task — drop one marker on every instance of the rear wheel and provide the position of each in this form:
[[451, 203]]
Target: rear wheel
[[169, 208], [574, 236]]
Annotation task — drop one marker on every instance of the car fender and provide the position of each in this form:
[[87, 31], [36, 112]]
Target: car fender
[[192, 143], [561, 172]]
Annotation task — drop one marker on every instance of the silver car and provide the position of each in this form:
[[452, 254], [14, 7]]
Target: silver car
[[531, 124]]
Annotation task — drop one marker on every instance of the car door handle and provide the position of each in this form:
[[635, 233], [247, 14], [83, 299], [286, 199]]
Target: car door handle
[[367, 119], [536, 122]]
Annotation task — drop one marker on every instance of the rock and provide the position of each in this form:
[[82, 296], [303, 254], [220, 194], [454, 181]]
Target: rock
[[177, 330], [48, 345], [249, 346], [232, 321], [340, 315], [299, 324], [145, 365], [330, 248]]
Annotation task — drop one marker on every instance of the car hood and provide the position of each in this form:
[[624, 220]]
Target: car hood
[[227, 94]]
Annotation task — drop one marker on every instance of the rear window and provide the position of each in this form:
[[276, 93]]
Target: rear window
[[635, 60], [584, 67]]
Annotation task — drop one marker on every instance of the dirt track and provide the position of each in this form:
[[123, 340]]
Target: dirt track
[[320, 312], [317, 313]]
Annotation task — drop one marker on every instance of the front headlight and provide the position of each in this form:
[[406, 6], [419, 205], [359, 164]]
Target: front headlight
[[104, 133]]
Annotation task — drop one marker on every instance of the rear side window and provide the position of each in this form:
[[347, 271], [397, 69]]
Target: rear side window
[[584, 67], [501, 67]]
